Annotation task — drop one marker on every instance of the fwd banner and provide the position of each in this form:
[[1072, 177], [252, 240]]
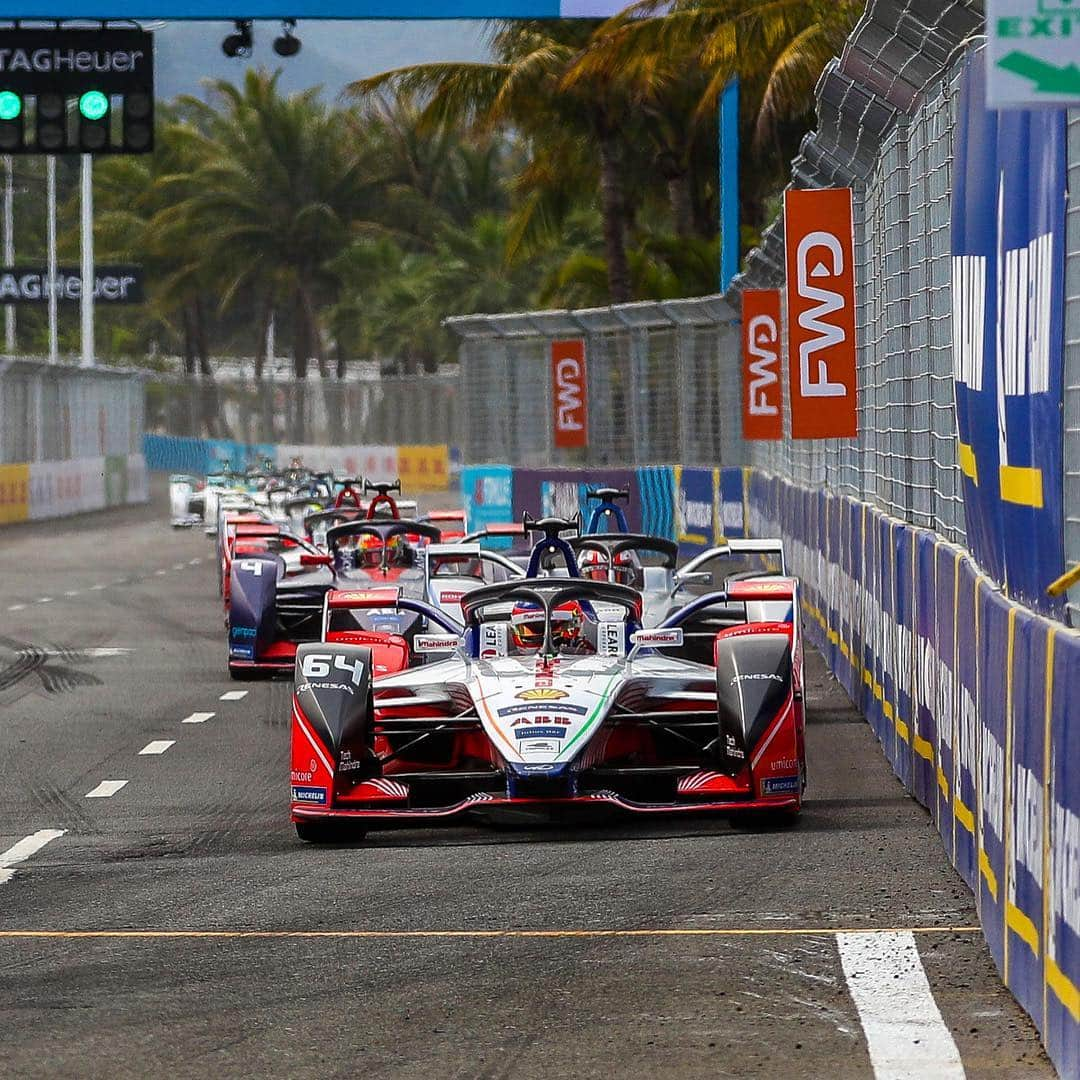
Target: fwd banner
[[821, 313], [762, 402], [570, 412], [1008, 265]]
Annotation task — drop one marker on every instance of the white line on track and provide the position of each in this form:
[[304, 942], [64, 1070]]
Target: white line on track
[[26, 847], [194, 562], [44, 599], [96, 588], [17, 607], [72, 592], [233, 695], [198, 718], [158, 746], [106, 789], [160, 573], [178, 566], [905, 1033]]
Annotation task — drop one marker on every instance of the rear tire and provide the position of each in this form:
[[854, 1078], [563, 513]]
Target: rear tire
[[328, 832]]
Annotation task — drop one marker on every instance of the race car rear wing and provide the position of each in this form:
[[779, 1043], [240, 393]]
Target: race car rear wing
[[382, 599], [740, 548]]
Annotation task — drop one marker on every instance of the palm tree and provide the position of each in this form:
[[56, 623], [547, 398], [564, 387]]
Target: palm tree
[[524, 88], [272, 199]]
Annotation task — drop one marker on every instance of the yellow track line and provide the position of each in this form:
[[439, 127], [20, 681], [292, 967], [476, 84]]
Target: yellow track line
[[718, 932]]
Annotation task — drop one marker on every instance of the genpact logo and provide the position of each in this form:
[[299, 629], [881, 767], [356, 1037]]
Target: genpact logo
[[820, 257], [763, 340]]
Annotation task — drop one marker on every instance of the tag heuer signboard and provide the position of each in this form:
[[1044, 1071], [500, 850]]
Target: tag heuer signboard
[[1034, 48]]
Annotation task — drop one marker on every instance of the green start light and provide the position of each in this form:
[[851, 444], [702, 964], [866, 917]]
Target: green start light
[[10, 105], [93, 105]]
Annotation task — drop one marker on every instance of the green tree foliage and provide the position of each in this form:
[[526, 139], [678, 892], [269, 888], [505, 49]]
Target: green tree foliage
[[576, 168]]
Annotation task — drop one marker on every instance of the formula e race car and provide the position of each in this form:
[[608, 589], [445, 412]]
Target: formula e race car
[[552, 698]]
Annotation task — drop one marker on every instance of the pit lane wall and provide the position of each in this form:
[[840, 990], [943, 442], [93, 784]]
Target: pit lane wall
[[38, 490], [974, 698], [420, 467]]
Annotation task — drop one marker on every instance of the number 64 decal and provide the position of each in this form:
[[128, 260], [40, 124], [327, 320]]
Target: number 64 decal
[[317, 666]]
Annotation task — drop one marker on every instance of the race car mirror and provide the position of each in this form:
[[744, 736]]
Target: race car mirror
[[611, 639], [658, 639], [493, 641], [436, 643], [696, 577]]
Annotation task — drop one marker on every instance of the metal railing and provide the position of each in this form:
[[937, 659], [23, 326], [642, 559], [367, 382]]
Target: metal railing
[[662, 384], [59, 412], [320, 412]]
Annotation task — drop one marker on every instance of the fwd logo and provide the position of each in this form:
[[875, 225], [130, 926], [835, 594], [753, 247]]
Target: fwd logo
[[762, 396], [570, 411], [821, 313]]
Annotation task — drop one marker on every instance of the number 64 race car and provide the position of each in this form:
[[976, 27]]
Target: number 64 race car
[[552, 697]]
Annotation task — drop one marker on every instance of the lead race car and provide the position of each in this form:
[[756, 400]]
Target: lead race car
[[542, 705]]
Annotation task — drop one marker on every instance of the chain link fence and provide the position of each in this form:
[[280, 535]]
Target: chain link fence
[[320, 412], [59, 412], [905, 457], [662, 384]]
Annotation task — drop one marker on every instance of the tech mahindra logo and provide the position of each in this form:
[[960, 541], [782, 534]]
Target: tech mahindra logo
[[570, 394], [819, 244], [824, 251]]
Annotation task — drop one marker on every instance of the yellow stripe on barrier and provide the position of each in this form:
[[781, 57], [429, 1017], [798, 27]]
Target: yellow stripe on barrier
[[988, 874], [964, 814], [903, 730], [967, 463], [845, 652], [923, 747], [943, 783], [879, 691], [1065, 990], [1021, 485], [867, 677], [1022, 927]]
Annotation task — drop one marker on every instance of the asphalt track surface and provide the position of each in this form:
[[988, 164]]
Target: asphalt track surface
[[181, 929]]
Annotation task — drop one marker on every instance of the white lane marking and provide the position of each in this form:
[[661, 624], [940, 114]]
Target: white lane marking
[[72, 592], [905, 1033], [178, 566], [160, 573], [106, 789], [44, 599], [27, 846], [233, 695], [194, 562], [158, 746], [17, 607], [96, 588], [96, 653], [198, 718]]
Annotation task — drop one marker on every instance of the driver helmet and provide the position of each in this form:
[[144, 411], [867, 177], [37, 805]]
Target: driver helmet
[[527, 625], [369, 553], [594, 566]]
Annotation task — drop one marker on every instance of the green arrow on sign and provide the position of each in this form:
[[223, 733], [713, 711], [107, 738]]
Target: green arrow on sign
[[1047, 78]]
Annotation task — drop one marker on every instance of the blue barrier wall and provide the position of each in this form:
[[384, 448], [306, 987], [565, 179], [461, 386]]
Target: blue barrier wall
[[976, 702], [178, 454]]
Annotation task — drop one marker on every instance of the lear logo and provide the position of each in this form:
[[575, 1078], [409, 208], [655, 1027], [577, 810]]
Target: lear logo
[[763, 343], [819, 257], [568, 395]]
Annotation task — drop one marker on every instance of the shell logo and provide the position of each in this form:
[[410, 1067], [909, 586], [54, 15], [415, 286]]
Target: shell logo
[[541, 693]]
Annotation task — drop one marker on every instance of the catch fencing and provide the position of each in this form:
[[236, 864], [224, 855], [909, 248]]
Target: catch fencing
[[905, 458], [320, 412], [661, 378], [58, 412]]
